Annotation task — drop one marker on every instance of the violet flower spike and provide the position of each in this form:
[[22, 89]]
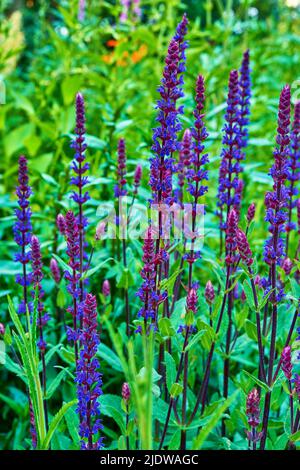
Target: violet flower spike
[[286, 362], [244, 248], [73, 252], [22, 232], [89, 379], [37, 276], [231, 155], [137, 179], [179, 37], [245, 95], [251, 213], [147, 292], [165, 135], [120, 188], [183, 164], [277, 201], [80, 180]]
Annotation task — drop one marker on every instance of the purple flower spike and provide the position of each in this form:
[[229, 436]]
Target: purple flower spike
[[120, 188], [147, 290], [286, 362], [165, 136], [229, 194], [37, 276], [80, 180], [179, 37], [209, 293], [185, 155], [22, 231], [126, 392], [277, 201], [78, 165], [55, 270], [244, 248], [252, 409], [61, 223], [73, 252], [245, 95], [137, 178], [251, 212], [196, 173], [231, 235], [89, 379]]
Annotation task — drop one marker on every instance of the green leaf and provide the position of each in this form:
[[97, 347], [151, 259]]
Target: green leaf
[[165, 327], [257, 381], [175, 390], [251, 330], [295, 437], [195, 339], [92, 271], [249, 294], [170, 370], [110, 357], [126, 279], [55, 423], [213, 421], [55, 383]]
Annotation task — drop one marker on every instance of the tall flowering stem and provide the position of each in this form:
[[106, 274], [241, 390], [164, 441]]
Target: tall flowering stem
[[22, 235], [121, 191], [231, 156], [196, 173], [43, 317], [73, 276], [294, 173], [80, 180], [165, 142], [246, 255], [89, 379], [276, 214]]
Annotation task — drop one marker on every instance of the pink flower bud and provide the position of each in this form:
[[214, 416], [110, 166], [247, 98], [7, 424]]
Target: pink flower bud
[[125, 392], [251, 212], [55, 270], [100, 230], [106, 288], [61, 223], [209, 293]]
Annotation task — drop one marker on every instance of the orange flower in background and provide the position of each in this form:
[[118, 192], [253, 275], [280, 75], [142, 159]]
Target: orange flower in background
[[123, 60], [112, 43], [138, 55]]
